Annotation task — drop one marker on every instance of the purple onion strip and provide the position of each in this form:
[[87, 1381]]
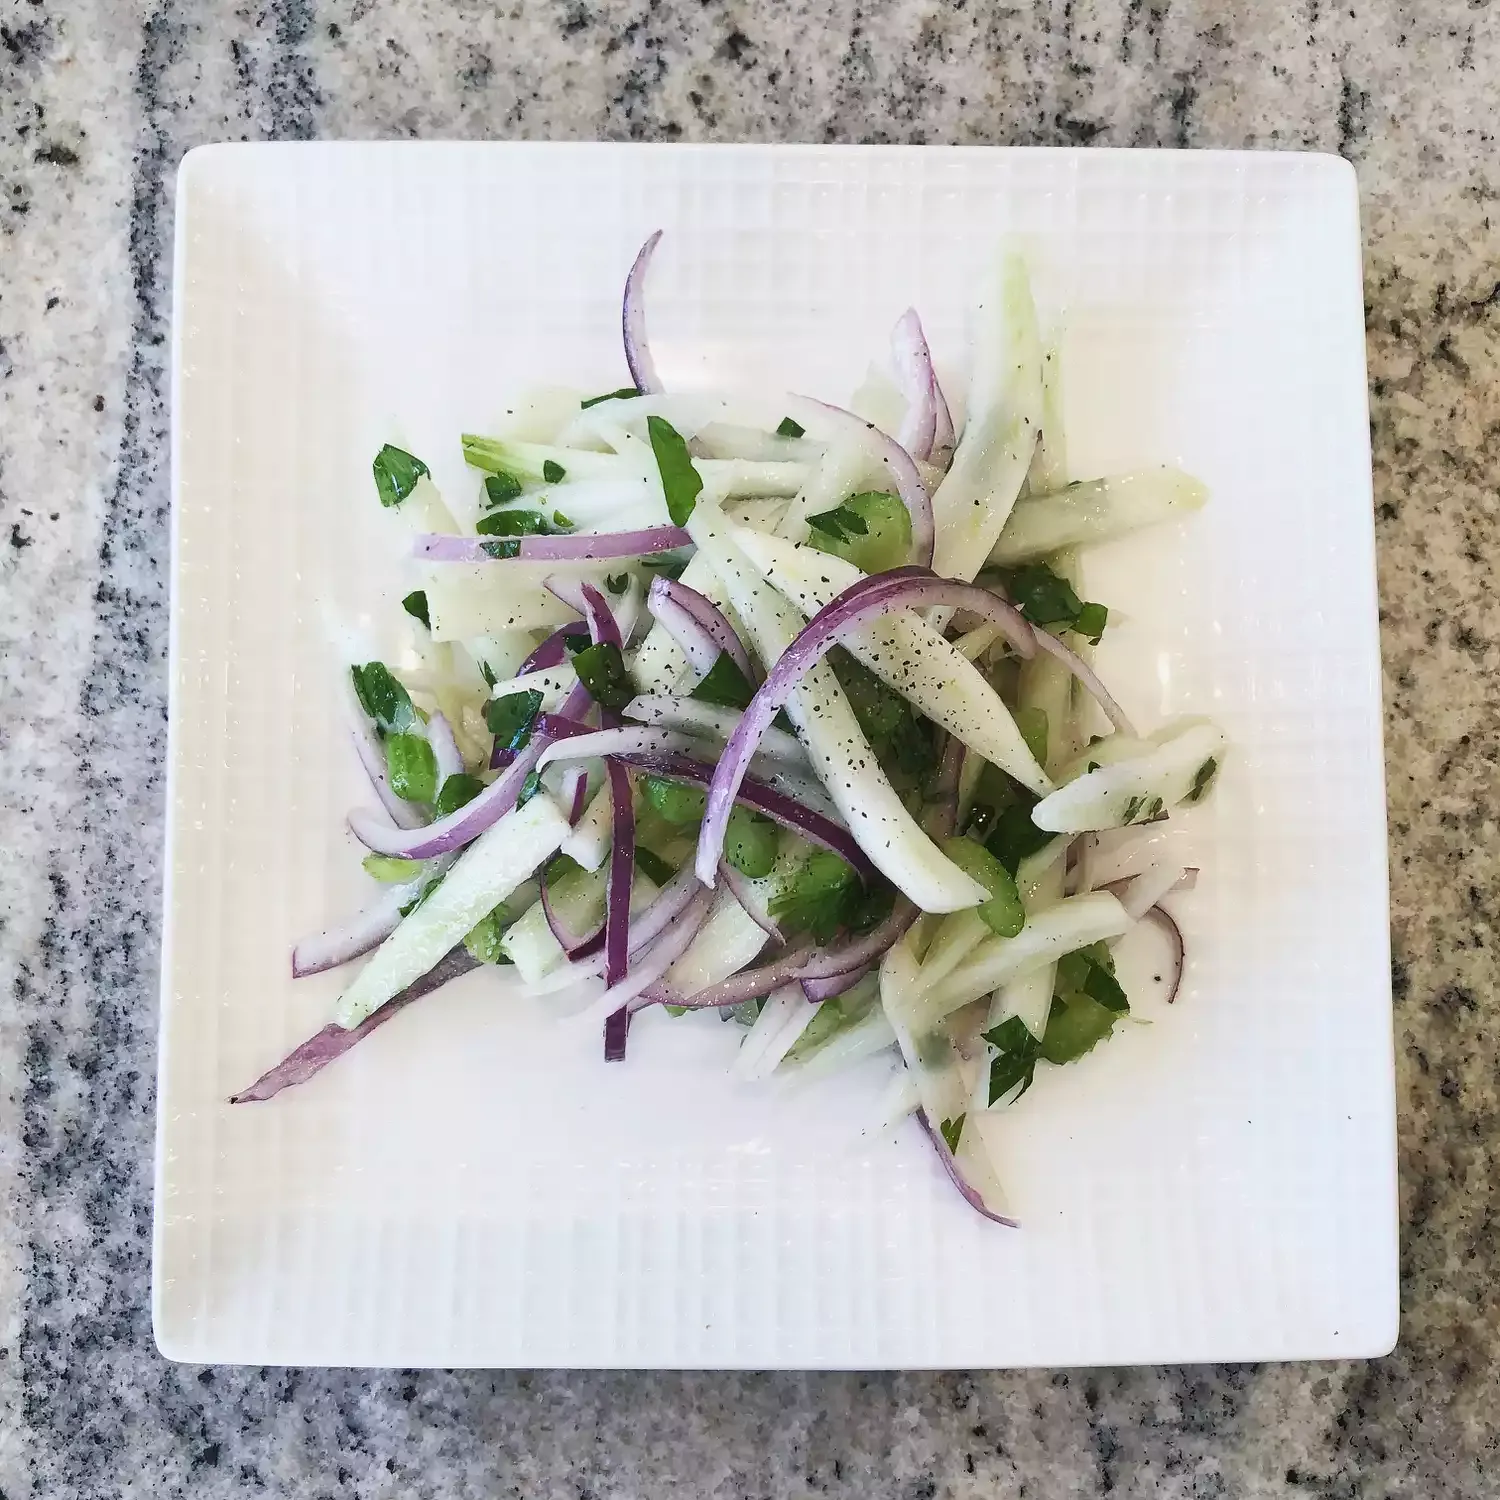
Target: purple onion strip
[[575, 792], [756, 795], [952, 1168], [580, 594], [918, 384], [334, 1041], [698, 625], [749, 984], [861, 602], [338, 945], [1088, 677], [898, 463], [862, 950], [616, 1032], [819, 990], [1160, 917], [552, 652], [572, 547], [633, 321]]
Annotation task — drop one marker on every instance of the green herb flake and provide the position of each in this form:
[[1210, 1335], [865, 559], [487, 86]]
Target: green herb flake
[[952, 1132], [561, 521], [396, 474], [484, 938], [1003, 913], [1014, 1063], [411, 767], [680, 481], [602, 670], [529, 788], [391, 871], [821, 898], [488, 673], [872, 530], [511, 718], [625, 393], [617, 583], [553, 472], [1202, 780], [724, 685], [668, 564], [1090, 621], [750, 843], [383, 698], [1041, 595], [1015, 835], [415, 604], [652, 865], [839, 524], [502, 550], [456, 791], [789, 428], [501, 488], [1102, 986], [672, 801], [513, 523]]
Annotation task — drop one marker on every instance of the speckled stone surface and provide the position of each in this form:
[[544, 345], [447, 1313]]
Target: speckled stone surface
[[98, 100]]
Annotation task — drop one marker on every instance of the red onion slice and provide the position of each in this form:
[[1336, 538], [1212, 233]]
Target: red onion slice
[[1160, 917], [896, 460], [954, 1171], [944, 439], [748, 984], [568, 940], [371, 753], [552, 652], [621, 876], [334, 1041], [742, 891], [858, 604], [591, 604], [633, 321], [571, 547], [575, 792], [918, 384], [819, 990], [862, 950], [616, 1031], [1087, 676], [698, 625], [338, 945], [787, 811]]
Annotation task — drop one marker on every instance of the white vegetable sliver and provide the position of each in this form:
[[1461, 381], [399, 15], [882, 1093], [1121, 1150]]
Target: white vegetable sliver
[[904, 651], [709, 719]]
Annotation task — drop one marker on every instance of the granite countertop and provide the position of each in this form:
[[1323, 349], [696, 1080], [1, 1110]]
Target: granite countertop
[[97, 103]]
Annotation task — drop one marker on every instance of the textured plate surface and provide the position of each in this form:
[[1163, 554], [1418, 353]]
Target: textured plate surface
[[473, 1186]]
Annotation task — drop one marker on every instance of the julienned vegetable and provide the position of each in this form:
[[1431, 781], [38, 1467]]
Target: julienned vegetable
[[788, 714]]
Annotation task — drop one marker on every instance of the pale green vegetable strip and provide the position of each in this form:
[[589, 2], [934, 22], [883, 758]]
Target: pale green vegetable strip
[[954, 941], [974, 501], [870, 1034], [1129, 791], [1049, 464], [498, 861], [832, 479], [728, 941], [578, 900], [1095, 511], [840, 754], [905, 651], [1074, 922], [469, 599], [723, 477]]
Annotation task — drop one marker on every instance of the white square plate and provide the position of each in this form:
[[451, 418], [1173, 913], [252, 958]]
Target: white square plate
[[473, 1186]]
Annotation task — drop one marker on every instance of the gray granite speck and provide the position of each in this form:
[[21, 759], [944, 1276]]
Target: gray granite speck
[[98, 101]]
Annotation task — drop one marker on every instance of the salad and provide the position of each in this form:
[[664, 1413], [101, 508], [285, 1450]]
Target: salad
[[785, 712]]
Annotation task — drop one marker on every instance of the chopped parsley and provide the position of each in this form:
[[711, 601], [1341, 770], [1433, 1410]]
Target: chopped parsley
[[625, 393], [511, 718], [1142, 810], [789, 428], [1202, 780], [617, 583], [513, 523], [724, 685], [824, 896], [952, 1132], [415, 604], [1015, 1059], [1015, 835], [839, 524], [872, 530], [529, 788], [487, 672], [1047, 599], [411, 767], [396, 474], [456, 790], [602, 670], [383, 698], [902, 740], [680, 481], [553, 472], [501, 488]]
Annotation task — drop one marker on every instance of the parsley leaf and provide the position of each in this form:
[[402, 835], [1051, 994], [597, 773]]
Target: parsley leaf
[[1016, 1054], [411, 767], [625, 393], [1015, 835], [487, 672], [553, 472], [788, 428], [617, 583], [513, 523], [396, 474], [680, 481], [529, 788], [1090, 622], [456, 790], [952, 1132], [1046, 599], [668, 564], [501, 488], [1003, 913], [901, 739], [724, 685], [823, 897], [602, 670], [415, 604], [839, 524], [511, 718], [1202, 780], [383, 698]]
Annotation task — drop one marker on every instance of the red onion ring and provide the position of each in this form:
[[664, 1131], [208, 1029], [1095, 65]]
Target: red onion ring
[[571, 547], [552, 652], [896, 460], [1087, 676], [954, 1171], [621, 875], [755, 794], [819, 990], [863, 950], [570, 943], [697, 625], [633, 322], [918, 384], [338, 945], [944, 439], [748, 984], [616, 1031], [575, 792], [581, 595], [1162, 918], [857, 605], [334, 1041]]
